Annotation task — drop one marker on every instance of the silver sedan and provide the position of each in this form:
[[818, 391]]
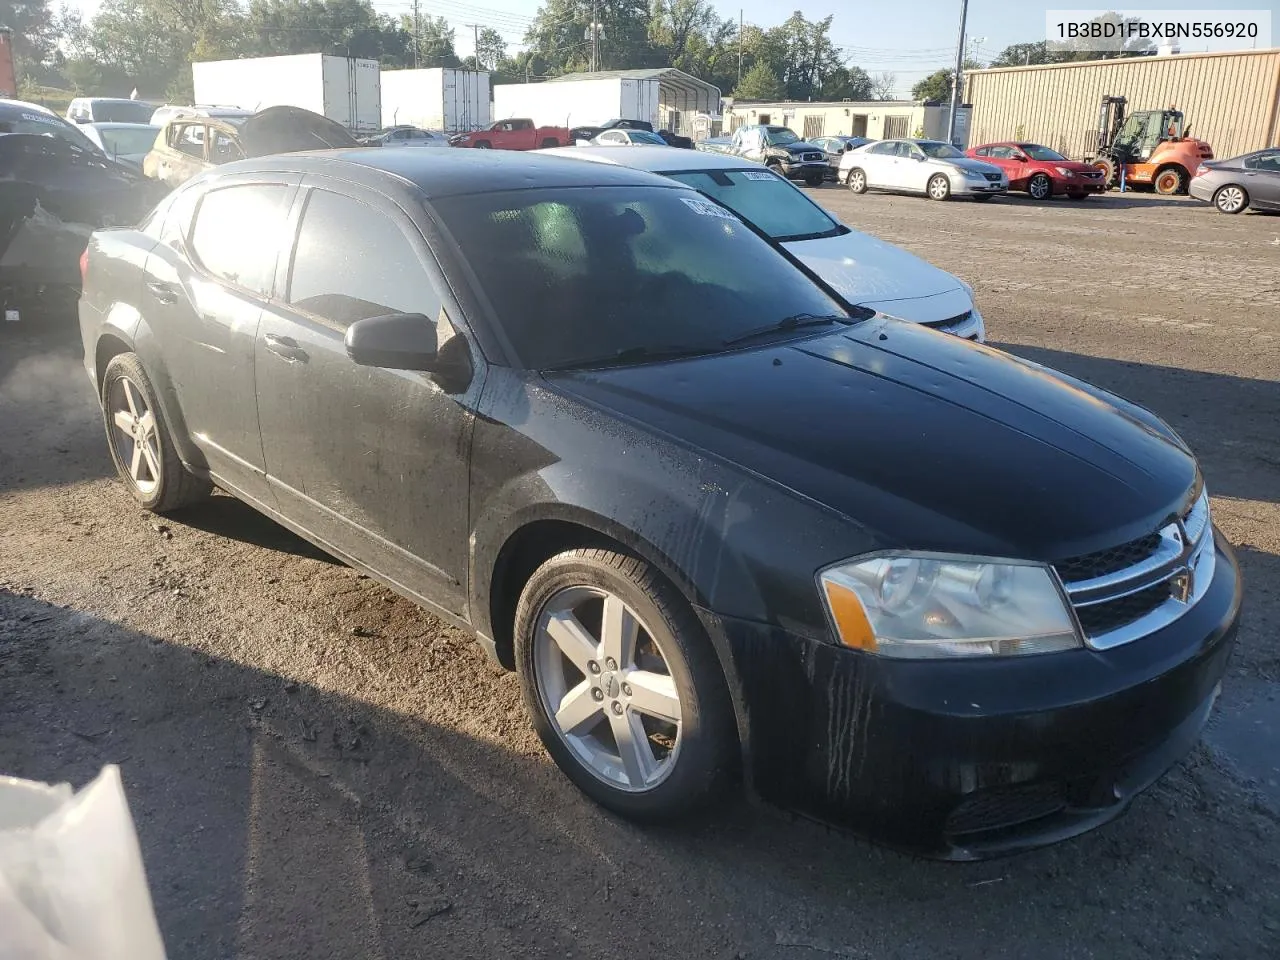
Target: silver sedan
[[1234, 185], [936, 169]]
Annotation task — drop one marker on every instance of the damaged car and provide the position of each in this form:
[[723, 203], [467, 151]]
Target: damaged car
[[56, 186], [189, 145]]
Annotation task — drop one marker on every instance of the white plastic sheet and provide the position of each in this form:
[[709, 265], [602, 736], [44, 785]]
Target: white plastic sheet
[[72, 886]]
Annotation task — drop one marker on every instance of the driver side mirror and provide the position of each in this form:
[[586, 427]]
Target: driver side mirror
[[399, 341], [1022, 158]]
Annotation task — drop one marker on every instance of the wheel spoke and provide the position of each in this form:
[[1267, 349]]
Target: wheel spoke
[[147, 422], [135, 464], [123, 421], [573, 639], [153, 462], [654, 694], [618, 631], [633, 747], [129, 397], [578, 711]]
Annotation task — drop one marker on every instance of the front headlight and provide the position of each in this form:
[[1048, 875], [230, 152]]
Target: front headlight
[[932, 605], [1063, 171], [974, 174]]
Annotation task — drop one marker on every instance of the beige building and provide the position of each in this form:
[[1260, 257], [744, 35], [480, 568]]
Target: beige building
[[1229, 99], [877, 119]]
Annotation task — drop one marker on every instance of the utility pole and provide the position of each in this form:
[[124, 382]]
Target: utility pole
[[741, 26], [476, 28], [957, 80], [417, 42]]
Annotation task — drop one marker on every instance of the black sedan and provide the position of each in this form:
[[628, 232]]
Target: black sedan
[[1235, 185], [717, 521]]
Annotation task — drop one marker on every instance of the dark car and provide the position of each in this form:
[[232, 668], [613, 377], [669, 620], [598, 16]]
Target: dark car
[[56, 185], [1235, 185], [779, 149], [714, 519], [835, 148]]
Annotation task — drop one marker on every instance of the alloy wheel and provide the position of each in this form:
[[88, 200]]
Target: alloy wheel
[[939, 189], [1039, 188], [607, 689], [1230, 199], [134, 434], [857, 181]]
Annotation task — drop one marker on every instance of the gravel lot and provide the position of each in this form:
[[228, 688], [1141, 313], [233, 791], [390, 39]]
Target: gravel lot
[[318, 769]]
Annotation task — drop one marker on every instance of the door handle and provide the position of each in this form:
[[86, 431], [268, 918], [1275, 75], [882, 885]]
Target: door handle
[[286, 348], [162, 291]]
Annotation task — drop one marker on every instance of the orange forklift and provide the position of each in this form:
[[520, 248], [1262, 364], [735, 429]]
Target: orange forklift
[[1147, 148]]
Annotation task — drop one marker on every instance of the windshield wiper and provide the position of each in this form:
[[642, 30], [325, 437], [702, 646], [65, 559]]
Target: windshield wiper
[[628, 355], [786, 325]]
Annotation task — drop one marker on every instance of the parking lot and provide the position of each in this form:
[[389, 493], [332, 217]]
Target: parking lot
[[318, 769]]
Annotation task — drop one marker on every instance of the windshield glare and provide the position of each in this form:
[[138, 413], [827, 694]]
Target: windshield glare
[[774, 206], [780, 136], [939, 151], [1037, 152], [578, 277], [129, 141]]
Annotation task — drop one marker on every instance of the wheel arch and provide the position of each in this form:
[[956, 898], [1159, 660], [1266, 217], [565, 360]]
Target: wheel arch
[[1177, 165]]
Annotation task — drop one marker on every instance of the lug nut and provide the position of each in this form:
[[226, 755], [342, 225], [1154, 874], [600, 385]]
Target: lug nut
[[593, 667], [617, 707], [597, 694], [611, 664], [626, 689]]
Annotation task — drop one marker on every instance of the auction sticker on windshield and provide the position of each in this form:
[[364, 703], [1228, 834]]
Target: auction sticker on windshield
[[707, 209], [754, 175]]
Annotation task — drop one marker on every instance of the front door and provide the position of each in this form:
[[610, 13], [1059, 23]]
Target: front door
[[1006, 158], [372, 462], [1262, 180], [880, 164], [205, 284]]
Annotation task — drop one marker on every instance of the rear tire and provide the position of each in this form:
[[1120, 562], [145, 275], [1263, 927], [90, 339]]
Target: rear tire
[[140, 443], [483, 145], [1108, 170], [1170, 182], [857, 180], [549, 142], [1231, 199], [577, 694], [939, 187], [1040, 187]]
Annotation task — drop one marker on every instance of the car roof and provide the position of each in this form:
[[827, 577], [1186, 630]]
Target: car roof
[[143, 103], [23, 106], [120, 125], [447, 173], [654, 159]]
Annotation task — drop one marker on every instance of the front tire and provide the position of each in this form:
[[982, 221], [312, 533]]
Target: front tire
[[815, 179], [1231, 199], [1040, 187], [141, 445], [484, 145], [622, 685], [939, 187], [1171, 181], [857, 181]]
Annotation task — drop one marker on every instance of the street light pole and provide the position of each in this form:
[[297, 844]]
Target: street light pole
[[958, 79]]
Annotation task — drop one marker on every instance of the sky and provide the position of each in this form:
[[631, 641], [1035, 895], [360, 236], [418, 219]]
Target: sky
[[910, 38]]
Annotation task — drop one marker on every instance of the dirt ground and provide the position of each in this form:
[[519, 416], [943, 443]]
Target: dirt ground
[[317, 769]]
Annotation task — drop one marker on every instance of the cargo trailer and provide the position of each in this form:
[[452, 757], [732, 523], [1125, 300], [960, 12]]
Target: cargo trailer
[[438, 98], [345, 90], [577, 103]]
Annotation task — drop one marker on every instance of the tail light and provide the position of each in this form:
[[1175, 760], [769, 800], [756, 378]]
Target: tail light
[[84, 266], [1201, 170]]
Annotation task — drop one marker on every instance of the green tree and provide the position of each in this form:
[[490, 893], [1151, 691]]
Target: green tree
[[884, 85], [34, 31], [491, 49], [937, 86], [847, 83], [1023, 54], [435, 41], [760, 83]]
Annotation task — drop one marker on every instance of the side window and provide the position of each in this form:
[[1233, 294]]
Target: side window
[[998, 153], [612, 136], [223, 147], [236, 234], [985, 152], [1267, 161], [188, 138], [353, 262]]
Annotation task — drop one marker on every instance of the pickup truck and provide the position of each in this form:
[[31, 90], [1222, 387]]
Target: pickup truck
[[777, 148], [514, 135], [588, 133]]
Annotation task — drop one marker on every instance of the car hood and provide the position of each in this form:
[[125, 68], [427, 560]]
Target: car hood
[[871, 273], [969, 163], [928, 441], [800, 146], [290, 129]]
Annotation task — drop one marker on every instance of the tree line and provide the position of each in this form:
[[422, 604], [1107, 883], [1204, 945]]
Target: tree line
[[148, 45]]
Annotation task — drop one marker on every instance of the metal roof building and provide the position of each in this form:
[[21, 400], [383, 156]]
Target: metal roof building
[[678, 91], [1232, 100]]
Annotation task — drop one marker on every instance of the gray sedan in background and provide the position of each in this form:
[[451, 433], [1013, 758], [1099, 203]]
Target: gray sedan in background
[[1234, 185], [126, 142]]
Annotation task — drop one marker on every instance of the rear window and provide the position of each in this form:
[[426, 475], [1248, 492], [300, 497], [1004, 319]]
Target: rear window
[[590, 276], [237, 233], [122, 111], [766, 200]]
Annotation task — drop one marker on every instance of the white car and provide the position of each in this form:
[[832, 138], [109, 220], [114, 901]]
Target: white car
[[407, 136], [936, 169], [865, 271], [126, 142], [109, 110], [628, 138]]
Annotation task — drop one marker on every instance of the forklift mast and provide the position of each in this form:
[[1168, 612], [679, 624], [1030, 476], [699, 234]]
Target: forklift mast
[[1110, 119]]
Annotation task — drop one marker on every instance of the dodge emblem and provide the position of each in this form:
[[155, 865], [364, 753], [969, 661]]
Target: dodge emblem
[[1182, 585]]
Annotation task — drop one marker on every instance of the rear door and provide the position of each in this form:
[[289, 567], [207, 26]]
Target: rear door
[[881, 165], [205, 287], [1262, 180], [373, 462]]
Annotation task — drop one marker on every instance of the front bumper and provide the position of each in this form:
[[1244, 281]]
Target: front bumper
[[1061, 187], [964, 187], [803, 169], [972, 759]]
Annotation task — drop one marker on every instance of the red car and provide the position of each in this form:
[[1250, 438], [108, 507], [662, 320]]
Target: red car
[[1042, 172], [520, 134]]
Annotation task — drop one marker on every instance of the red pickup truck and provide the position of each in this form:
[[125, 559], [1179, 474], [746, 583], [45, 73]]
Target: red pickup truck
[[515, 135]]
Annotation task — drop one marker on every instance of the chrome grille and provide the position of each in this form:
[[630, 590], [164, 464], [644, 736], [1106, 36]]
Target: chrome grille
[[814, 156], [1131, 590], [993, 177]]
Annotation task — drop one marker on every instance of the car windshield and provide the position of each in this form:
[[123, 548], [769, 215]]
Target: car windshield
[[1037, 152], [780, 136], [43, 124], [766, 200], [122, 111], [597, 276], [128, 141], [939, 151]]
